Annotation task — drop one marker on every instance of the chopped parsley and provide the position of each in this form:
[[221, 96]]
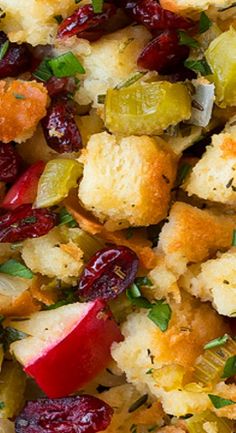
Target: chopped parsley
[[216, 342], [65, 65], [97, 6], [230, 367], [19, 96], [160, 314], [185, 39], [234, 239], [66, 218], [2, 405], [219, 402], [4, 49], [16, 269], [204, 23], [138, 403], [200, 66]]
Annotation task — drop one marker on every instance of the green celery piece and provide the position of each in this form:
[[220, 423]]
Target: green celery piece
[[146, 108], [221, 57]]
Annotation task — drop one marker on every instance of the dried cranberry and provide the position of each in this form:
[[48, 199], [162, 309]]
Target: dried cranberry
[[16, 60], [85, 20], [163, 54], [59, 127], [80, 414], [109, 272], [154, 17], [58, 86], [25, 222], [10, 162]]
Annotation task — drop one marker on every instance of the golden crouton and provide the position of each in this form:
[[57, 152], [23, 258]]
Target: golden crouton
[[214, 177], [112, 59], [163, 361], [33, 21], [48, 256], [127, 182], [215, 281], [23, 105], [183, 6]]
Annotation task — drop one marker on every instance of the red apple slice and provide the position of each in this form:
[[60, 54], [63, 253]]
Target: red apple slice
[[67, 347], [24, 190]]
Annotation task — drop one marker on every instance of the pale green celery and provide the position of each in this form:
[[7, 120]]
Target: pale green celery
[[59, 176], [146, 108], [195, 424], [209, 367], [221, 57]]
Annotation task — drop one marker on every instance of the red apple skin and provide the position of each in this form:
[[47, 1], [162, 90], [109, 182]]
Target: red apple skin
[[24, 190], [80, 356]]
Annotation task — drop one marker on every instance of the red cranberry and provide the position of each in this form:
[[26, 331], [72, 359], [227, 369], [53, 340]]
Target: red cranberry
[[154, 17], [80, 414], [85, 20], [58, 86], [25, 222], [109, 272], [16, 60], [10, 162], [59, 127], [163, 54]]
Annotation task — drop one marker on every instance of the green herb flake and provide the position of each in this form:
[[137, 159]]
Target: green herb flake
[[101, 99], [43, 72], [143, 281], [97, 6], [16, 269], [66, 218], [150, 371], [234, 239], [19, 96], [77, 2], [160, 314], [204, 23], [230, 367], [4, 49], [131, 80], [133, 292], [58, 18], [66, 65], [200, 66], [219, 402], [183, 172], [138, 403], [2, 405], [185, 39], [29, 220], [69, 298], [217, 342], [12, 334]]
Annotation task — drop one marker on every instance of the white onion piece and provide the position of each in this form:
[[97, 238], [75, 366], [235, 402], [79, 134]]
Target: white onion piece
[[13, 286], [202, 102]]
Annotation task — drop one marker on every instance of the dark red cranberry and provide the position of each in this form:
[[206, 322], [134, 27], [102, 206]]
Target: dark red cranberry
[[60, 86], [181, 74], [10, 162], [154, 17], [85, 20], [25, 222], [59, 127], [163, 54], [80, 414], [109, 272], [16, 60]]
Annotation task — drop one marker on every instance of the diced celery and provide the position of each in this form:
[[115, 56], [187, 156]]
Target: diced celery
[[196, 423], [210, 366], [12, 386], [87, 243], [146, 108], [221, 56], [59, 176]]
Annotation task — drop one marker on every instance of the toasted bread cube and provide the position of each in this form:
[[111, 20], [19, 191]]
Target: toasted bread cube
[[170, 355], [215, 281], [127, 182], [33, 21], [214, 176], [112, 59], [186, 6], [53, 255]]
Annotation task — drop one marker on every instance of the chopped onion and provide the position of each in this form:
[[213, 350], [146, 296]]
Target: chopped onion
[[202, 102], [13, 286]]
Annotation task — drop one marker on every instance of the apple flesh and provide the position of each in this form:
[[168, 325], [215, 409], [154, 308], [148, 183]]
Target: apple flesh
[[67, 347], [24, 190]]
